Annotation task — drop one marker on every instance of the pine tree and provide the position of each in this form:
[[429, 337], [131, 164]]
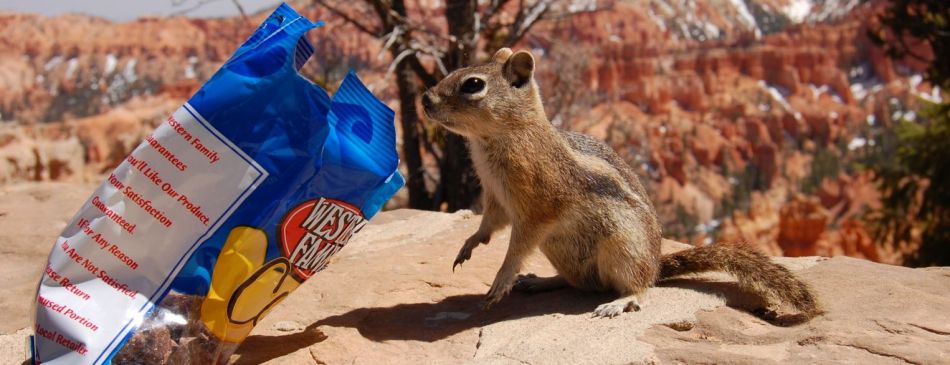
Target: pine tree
[[915, 181]]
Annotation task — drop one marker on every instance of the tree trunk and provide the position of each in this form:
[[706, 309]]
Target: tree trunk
[[459, 186], [419, 197], [460, 16]]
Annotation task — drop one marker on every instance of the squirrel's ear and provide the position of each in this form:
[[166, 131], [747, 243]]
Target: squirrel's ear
[[519, 68], [502, 55]]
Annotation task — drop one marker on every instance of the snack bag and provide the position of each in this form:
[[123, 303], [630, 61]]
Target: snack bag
[[227, 207]]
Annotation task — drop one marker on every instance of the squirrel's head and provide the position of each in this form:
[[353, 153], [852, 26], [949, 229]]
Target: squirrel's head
[[487, 100]]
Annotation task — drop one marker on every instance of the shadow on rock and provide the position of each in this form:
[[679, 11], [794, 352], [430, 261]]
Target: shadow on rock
[[258, 349], [433, 321], [426, 321]]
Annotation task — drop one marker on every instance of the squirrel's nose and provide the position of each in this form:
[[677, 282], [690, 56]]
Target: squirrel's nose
[[426, 101]]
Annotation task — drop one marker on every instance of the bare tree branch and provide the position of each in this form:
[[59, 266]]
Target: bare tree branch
[[409, 25], [491, 11], [240, 9], [568, 14], [355, 23], [383, 11], [526, 19], [391, 39], [200, 3], [397, 60], [428, 79]]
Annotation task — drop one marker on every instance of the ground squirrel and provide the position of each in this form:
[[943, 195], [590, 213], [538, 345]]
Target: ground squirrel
[[574, 198]]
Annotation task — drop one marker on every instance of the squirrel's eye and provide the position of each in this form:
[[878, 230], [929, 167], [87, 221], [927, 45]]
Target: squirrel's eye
[[472, 86]]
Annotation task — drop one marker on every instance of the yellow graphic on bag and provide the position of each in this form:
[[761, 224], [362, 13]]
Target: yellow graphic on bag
[[243, 288]]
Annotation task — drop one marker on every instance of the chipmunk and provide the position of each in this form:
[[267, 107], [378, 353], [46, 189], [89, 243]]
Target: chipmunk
[[573, 197]]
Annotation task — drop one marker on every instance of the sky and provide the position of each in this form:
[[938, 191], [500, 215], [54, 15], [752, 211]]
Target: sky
[[125, 10]]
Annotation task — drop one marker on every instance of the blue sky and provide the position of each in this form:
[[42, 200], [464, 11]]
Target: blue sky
[[125, 10]]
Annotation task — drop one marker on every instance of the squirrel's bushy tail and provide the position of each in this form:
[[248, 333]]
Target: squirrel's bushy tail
[[754, 271]]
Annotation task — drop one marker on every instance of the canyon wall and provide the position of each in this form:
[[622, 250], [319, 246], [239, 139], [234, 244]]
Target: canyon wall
[[748, 119]]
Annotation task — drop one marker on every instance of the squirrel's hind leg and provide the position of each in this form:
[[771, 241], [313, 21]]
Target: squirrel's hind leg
[[625, 303], [631, 289], [531, 283], [626, 269]]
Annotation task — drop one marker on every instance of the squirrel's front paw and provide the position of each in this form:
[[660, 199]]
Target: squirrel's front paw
[[465, 252]]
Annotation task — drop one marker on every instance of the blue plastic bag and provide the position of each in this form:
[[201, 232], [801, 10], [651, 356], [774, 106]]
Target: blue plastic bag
[[230, 204]]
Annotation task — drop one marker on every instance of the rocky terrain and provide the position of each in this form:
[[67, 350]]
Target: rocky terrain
[[391, 297], [749, 119]]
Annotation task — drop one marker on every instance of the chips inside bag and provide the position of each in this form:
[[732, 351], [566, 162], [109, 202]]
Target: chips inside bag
[[227, 207]]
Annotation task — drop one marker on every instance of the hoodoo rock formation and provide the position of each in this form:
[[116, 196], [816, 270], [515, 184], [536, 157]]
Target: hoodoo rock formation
[[715, 102]]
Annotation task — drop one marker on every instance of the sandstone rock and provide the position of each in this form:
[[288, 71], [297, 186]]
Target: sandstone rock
[[391, 297], [27, 155], [78, 150], [829, 193], [767, 159], [787, 77], [801, 223], [20, 156], [848, 196], [713, 185], [110, 137], [797, 166], [73, 66], [855, 241], [758, 226], [31, 217], [706, 144]]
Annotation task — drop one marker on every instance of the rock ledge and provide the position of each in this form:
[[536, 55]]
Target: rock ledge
[[391, 297]]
